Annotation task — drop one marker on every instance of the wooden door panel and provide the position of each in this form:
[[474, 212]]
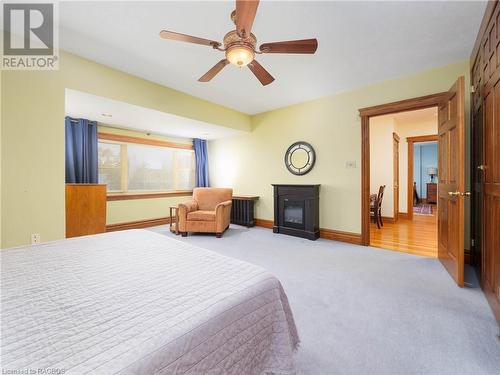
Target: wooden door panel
[[495, 220], [451, 133], [495, 137], [453, 164], [443, 157], [487, 266], [488, 136], [442, 226], [477, 186]]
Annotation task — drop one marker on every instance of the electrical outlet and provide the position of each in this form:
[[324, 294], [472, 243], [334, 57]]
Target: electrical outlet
[[35, 238], [350, 164]]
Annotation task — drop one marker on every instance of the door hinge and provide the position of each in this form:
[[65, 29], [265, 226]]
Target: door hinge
[[472, 89], [472, 242]]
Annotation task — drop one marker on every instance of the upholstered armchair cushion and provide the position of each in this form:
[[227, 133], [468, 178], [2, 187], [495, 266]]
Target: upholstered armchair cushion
[[201, 215], [208, 211]]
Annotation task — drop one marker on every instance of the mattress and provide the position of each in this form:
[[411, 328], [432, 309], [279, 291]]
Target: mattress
[[138, 302]]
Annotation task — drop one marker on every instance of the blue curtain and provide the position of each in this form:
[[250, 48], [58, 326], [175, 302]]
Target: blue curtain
[[81, 151], [201, 155]]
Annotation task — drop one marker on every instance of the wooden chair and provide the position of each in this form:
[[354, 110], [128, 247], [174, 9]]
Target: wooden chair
[[416, 199], [376, 206]]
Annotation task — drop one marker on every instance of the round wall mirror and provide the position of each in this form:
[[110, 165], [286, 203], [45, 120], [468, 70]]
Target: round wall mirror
[[300, 158]]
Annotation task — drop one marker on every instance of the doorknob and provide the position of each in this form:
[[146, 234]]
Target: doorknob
[[481, 167], [466, 194]]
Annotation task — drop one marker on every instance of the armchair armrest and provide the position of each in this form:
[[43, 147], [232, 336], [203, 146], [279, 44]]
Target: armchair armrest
[[186, 207], [223, 205], [183, 210], [222, 216]]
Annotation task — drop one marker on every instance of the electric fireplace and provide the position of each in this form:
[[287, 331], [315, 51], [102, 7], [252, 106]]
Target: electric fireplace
[[296, 210]]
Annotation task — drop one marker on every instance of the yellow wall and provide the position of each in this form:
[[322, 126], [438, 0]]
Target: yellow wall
[[140, 209], [33, 136], [252, 162], [382, 160], [0, 158]]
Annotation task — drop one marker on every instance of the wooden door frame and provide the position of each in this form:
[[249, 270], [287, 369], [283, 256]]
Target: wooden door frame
[[395, 138], [421, 102], [411, 142]]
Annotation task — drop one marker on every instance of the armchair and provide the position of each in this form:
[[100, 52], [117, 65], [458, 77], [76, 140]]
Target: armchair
[[209, 211]]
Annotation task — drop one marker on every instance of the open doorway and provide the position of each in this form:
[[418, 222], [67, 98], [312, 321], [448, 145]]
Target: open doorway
[[451, 167], [403, 181]]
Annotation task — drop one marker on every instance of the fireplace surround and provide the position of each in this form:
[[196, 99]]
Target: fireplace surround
[[296, 210]]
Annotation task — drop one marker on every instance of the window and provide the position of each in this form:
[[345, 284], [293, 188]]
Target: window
[[128, 167]]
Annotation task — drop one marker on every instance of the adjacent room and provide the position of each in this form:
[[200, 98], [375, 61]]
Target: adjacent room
[[250, 187], [403, 181]]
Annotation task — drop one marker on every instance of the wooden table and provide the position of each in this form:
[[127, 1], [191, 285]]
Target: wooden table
[[174, 219], [242, 210]]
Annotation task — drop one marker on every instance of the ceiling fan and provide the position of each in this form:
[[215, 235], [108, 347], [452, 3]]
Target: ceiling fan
[[240, 44]]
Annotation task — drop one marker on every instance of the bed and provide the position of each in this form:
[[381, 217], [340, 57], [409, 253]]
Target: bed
[[138, 302]]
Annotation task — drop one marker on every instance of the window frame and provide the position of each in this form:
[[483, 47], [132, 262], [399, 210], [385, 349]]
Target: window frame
[[123, 140]]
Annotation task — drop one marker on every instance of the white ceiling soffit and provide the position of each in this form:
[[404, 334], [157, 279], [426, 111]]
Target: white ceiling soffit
[[420, 115], [133, 117], [360, 43], [411, 117]]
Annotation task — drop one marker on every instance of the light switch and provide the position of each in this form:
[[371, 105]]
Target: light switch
[[350, 164]]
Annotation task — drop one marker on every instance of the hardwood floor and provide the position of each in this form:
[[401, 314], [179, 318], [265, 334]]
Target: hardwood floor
[[417, 236]]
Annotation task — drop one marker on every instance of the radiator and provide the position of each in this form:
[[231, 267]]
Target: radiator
[[242, 211]]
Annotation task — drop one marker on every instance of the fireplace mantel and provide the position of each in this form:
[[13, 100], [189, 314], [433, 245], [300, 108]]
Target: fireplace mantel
[[296, 210]]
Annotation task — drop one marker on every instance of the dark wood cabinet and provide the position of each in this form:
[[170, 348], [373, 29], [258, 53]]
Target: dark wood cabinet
[[85, 209], [432, 192]]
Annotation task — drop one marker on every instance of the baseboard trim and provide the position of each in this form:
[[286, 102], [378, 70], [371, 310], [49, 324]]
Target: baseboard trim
[[264, 223], [338, 235], [138, 224], [403, 215], [328, 234], [388, 219]]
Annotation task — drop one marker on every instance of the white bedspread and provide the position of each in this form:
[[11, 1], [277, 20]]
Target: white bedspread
[[137, 302]]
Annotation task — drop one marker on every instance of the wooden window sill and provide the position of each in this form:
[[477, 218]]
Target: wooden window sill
[[129, 196]]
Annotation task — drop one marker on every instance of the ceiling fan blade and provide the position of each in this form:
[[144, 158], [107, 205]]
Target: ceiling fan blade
[[291, 46], [262, 74], [245, 15], [213, 71], [171, 35]]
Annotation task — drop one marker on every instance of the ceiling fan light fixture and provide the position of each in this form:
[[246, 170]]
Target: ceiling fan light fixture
[[240, 55]]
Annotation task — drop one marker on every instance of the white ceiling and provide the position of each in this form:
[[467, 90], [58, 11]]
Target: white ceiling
[[359, 43], [123, 115]]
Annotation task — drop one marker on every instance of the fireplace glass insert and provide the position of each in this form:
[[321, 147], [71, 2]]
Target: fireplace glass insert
[[293, 214]]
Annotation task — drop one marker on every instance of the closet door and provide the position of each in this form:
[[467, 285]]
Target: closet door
[[486, 76], [491, 192]]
